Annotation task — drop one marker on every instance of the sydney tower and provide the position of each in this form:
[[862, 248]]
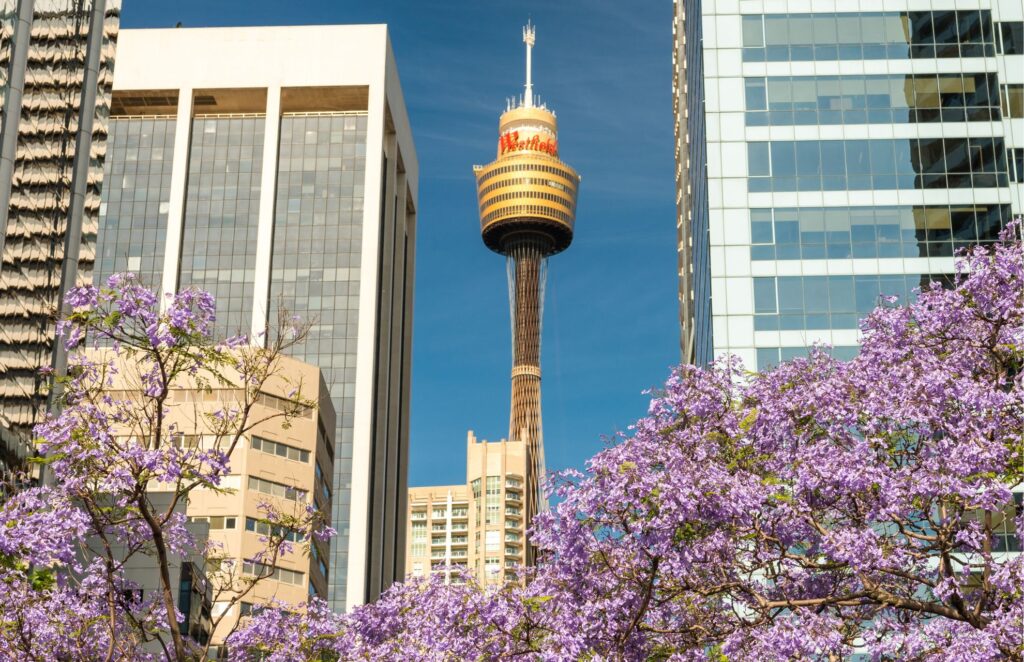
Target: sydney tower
[[527, 200]]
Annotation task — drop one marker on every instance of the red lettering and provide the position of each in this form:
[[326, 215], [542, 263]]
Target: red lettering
[[510, 142]]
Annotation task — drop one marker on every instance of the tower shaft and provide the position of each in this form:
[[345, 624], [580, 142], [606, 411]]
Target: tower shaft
[[527, 262]]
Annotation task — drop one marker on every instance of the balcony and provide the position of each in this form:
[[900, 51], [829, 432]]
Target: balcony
[[512, 551], [513, 538], [513, 483], [440, 514], [460, 540], [514, 511], [512, 496], [460, 513], [419, 515]]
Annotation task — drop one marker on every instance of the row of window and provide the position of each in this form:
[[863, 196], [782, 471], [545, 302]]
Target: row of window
[[531, 167], [282, 575], [523, 181], [276, 489], [279, 449], [282, 405], [812, 233], [216, 523], [868, 35], [520, 211], [769, 357], [563, 200], [272, 530], [786, 303], [838, 165], [872, 99]]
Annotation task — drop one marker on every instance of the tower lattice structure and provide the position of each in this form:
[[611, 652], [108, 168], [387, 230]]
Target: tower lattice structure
[[527, 199]]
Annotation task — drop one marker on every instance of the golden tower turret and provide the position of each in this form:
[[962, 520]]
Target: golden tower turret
[[527, 199]]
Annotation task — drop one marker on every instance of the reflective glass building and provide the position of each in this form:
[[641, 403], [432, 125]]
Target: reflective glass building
[[275, 168], [850, 150]]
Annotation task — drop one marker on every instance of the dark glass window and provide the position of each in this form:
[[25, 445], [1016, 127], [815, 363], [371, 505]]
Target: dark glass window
[[1016, 164], [868, 35], [1012, 37], [880, 164], [788, 233], [222, 215], [135, 198], [1013, 100]]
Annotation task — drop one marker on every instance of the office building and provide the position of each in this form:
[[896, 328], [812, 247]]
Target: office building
[[285, 464], [274, 167], [476, 527], [50, 178], [527, 200], [829, 153]]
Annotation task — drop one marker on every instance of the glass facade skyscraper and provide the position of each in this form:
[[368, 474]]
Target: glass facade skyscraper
[[849, 155], [274, 167]]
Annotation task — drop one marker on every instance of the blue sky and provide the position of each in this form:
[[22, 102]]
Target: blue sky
[[610, 325]]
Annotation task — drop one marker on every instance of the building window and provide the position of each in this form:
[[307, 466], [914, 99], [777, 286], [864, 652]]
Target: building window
[[276, 489], [812, 233], [492, 541], [476, 488], [493, 499], [788, 303], [1012, 33], [1016, 159], [279, 449], [492, 568], [1013, 100], [267, 529], [871, 99], [769, 357], [419, 539], [282, 575], [868, 36], [857, 165], [417, 569], [216, 523]]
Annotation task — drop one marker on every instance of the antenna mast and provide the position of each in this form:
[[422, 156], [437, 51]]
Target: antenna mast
[[529, 38]]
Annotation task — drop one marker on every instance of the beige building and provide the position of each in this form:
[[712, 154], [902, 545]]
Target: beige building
[[287, 466], [476, 526]]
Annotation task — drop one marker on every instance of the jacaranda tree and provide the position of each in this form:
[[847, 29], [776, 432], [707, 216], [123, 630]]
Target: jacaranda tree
[[116, 477], [814, 511]]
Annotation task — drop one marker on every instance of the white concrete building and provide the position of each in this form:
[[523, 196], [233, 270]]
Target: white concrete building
[[274, 166], [851, 147]]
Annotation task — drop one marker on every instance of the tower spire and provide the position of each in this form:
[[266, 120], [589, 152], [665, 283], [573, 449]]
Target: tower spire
[[529, 38]]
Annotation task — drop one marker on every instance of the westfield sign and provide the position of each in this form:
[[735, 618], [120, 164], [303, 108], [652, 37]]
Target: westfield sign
[[510, 142]]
